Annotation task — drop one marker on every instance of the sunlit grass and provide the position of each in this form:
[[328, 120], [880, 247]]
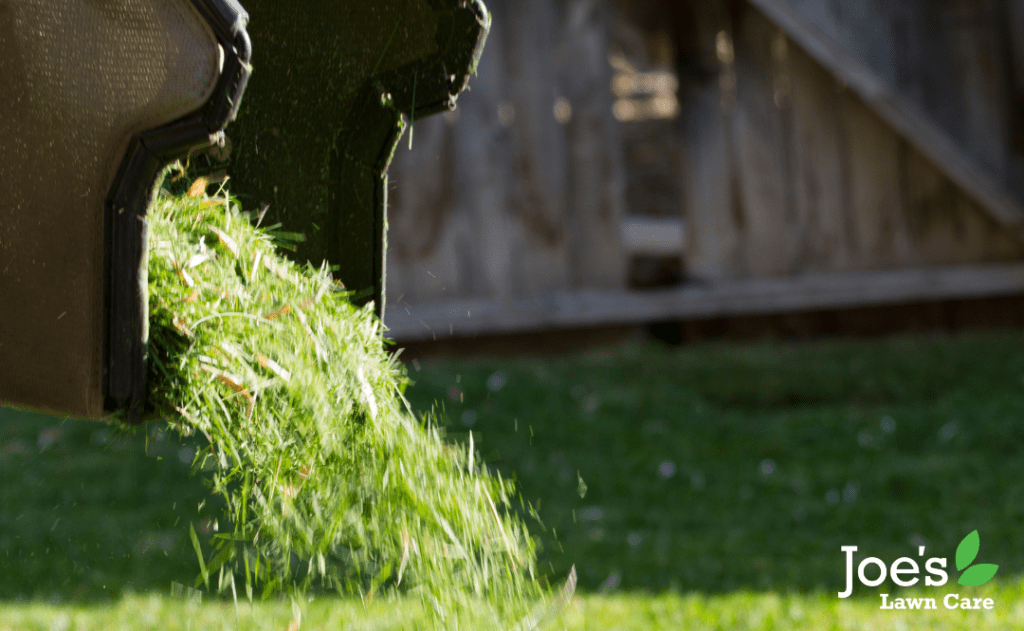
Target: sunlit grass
[[742, 610], [758, 611]]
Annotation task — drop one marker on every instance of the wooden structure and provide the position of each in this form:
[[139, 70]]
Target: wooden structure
[[820, 154]]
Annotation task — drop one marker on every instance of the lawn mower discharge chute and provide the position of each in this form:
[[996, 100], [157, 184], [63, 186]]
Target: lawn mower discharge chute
[[97, 97]]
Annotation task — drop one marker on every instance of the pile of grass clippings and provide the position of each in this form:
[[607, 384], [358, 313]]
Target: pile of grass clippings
[[328, 478]]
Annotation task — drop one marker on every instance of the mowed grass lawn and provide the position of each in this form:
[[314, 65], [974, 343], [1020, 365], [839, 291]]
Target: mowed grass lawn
[[718, 484]]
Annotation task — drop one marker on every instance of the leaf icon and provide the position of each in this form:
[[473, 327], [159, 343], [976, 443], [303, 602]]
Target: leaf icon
[[967, 551], [978, 574]]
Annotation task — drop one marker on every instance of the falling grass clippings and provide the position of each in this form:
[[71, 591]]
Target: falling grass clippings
[[327, 477]]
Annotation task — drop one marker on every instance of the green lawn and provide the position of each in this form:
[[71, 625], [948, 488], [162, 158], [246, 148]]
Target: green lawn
[[721, 481]]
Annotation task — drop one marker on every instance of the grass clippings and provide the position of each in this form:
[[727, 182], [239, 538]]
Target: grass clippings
[[329, 481]]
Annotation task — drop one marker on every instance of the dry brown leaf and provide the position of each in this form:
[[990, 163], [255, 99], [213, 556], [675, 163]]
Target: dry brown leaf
[[180, 325], [198, 187], [276, 313]]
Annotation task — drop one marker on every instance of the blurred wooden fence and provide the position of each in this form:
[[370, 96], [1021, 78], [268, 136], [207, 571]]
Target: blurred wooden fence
[[502, 198], [820, 154]]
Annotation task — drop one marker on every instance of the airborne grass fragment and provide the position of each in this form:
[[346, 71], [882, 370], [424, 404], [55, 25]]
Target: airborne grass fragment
[[328, 478]]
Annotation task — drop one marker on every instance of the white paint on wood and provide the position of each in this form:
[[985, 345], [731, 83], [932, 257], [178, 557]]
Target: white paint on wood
[[725, 298]]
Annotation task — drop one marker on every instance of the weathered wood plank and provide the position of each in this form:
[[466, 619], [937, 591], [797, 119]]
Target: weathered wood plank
[[863, 28], [485, 151], [595, 181], [709, 179], [942, 56], [771, 232], [946, 226], [503, 199], [653, 236], [710, 202], [820, 165], [449, 218], [876, 189], [1013, 36], [977, 78], [899, 42], [423, 198], [1015, 25], [478, 204], [983, 239], [538, 174], [737, 297], [906, 119]]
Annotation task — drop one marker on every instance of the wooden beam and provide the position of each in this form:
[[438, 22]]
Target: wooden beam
[[652, 236], [727, 298], [904, 117]]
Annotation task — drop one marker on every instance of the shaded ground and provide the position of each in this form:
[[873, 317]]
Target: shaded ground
[[725, 467], [88, 512]]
